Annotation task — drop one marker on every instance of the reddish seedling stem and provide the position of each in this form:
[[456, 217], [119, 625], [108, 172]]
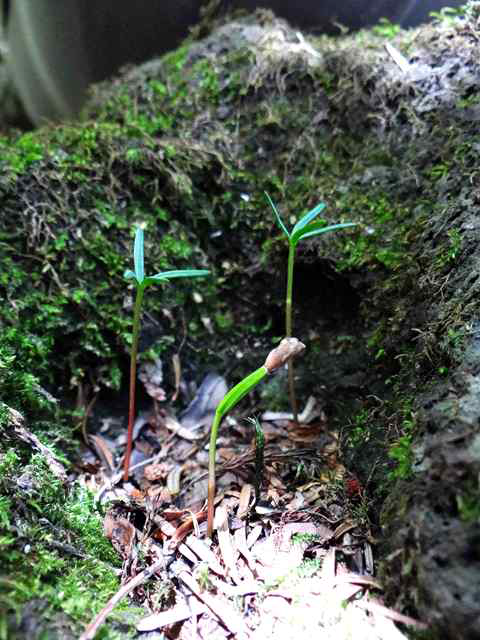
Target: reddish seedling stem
[[133, 379]]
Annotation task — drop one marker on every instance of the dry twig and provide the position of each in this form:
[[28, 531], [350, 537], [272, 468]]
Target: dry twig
[[127, 588]]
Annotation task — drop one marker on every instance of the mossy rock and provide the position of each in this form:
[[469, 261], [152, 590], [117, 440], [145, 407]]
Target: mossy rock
[[186, 145]]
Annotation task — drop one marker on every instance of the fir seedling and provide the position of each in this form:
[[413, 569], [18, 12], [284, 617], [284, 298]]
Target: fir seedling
[[142, 283], [287, 349], [305, 228]]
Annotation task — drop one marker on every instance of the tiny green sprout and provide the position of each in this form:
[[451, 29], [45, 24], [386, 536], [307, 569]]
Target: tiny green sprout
[[203, 577], [259, 457], [287, 349], [142, 283], [305, 228]]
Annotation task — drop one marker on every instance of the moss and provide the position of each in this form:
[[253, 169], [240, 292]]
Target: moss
[[76, 588], [224, 321], [401, 451], [53, 548], [86, 263], [468, 499], [183, 180], [19, 157]]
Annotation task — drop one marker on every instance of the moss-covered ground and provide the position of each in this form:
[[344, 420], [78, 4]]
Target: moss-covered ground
[[185, 146]]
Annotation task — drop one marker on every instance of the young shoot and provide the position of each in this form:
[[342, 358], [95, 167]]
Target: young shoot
[[142, 282], [305, 228], [259, 455], [287, 349]]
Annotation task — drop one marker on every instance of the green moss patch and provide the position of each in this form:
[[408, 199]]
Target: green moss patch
[[53, 554]]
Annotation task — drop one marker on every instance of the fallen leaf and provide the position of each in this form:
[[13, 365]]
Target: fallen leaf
[[103, 451], [254, 535], [184, 529], [201, 410], [312, 410], [121, 533], [242, 589], [173, 480], [343, 527]]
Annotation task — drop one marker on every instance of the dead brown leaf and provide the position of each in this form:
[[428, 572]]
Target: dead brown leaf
[[121, 532], [104, 452]]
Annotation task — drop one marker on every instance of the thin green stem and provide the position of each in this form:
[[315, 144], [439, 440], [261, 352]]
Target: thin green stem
[[288, 328], [212, 452], [229, 401], [288, 301], [133, 377]]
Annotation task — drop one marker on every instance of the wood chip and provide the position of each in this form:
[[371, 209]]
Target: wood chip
[[226, 543], [175, 427], [201, 549], [241, 545], [176, 614], [329, 565], [398, 58], [342, 528], [227, 616], [374, 607], [244, 501], [254, 535]]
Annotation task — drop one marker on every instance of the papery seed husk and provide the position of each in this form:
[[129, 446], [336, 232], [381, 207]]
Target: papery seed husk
[[288, 348]]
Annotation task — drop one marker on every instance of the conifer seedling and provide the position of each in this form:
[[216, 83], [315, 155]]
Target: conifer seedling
[[287, 349], [305, 228], [142, 282]]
